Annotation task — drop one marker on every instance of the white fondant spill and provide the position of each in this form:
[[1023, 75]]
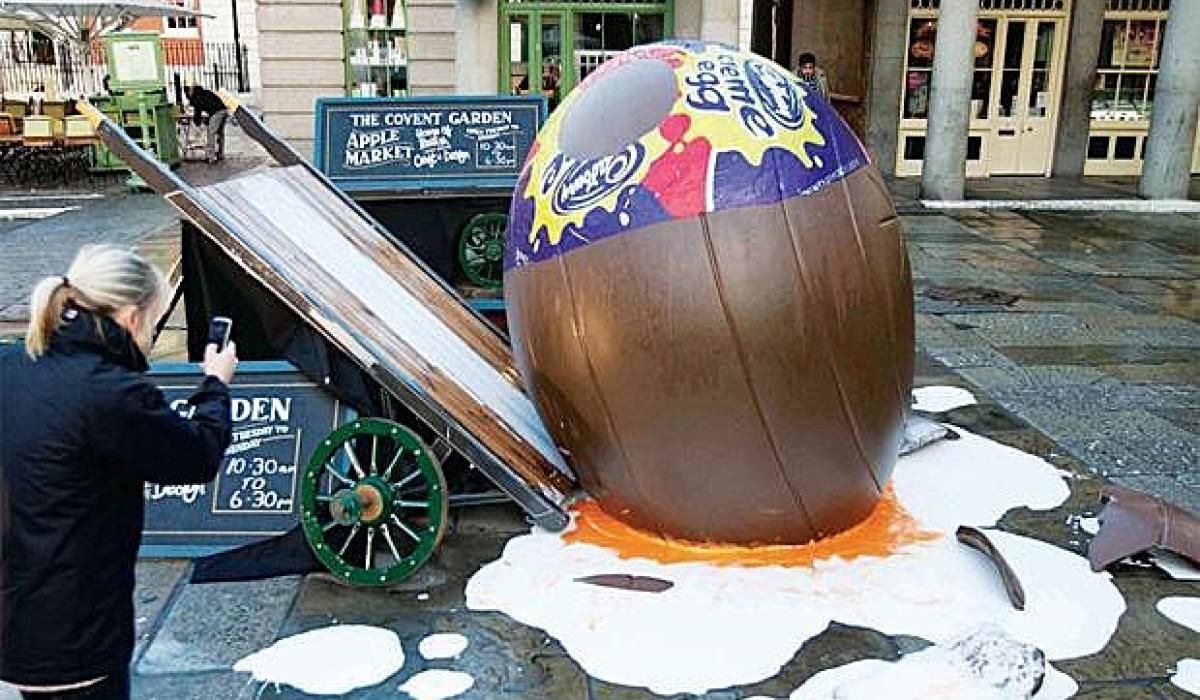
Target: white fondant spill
[[1183, 610], [1175, 566], [724, 626], [936, 399], [919, 676], [1056, 686], [328, 661], [1187, 675], [443, 646], [974, 481], [437, 684]]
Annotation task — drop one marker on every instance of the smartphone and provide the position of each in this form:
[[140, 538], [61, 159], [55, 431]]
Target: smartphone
[[219, 329]]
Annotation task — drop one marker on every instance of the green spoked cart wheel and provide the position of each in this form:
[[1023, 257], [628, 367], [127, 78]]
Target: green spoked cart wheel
[[481, 249], [373, 502]]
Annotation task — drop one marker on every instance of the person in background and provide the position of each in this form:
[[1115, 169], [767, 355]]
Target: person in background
[[81, 430], [206, 106], [811, 75]]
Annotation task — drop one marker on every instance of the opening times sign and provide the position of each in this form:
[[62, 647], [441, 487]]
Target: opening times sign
[[279, 416], [437, 143]]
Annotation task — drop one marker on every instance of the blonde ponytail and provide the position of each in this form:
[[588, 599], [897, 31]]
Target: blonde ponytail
[[102, 279]]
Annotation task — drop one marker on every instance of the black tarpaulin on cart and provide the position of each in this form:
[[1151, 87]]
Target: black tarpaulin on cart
[[263, 327]]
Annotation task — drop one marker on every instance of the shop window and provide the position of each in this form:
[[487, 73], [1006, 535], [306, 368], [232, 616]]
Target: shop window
[[376, 47], [181, 26], [565, 40], [1125, 147], [1097, 148], [1039, 89], [1127, 69], [914, 148], [1010, 74], [601, 35], [922, 35]]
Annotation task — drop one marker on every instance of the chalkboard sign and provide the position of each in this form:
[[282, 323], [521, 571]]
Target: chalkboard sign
[[453, 144], [279, 417]]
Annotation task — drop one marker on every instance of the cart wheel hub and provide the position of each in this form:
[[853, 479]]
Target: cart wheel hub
[[346, 508]]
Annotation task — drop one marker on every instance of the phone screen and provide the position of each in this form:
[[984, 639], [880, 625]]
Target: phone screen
[[218, 331]]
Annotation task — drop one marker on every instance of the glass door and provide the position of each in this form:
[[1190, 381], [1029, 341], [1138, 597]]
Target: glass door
[[1003, 156], [1026, 97], [1041, 98], [532, 62], [551, 48]]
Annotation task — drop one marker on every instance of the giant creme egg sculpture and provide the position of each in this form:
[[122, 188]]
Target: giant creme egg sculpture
[[709, 299]]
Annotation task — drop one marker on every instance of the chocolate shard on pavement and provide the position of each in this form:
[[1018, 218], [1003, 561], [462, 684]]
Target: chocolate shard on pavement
[[628, 582], [1132, 522], [977, 540]]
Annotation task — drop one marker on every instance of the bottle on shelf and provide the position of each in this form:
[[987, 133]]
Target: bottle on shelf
[[398, 19], [357, 18]]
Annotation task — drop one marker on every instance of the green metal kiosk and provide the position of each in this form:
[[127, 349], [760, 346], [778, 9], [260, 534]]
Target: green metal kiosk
[[137, 99]]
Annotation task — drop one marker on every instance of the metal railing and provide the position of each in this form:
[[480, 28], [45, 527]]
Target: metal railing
[[30, 65]]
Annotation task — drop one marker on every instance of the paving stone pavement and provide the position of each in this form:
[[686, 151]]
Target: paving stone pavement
[[33, 249], [1093, 367], [1099, 351]]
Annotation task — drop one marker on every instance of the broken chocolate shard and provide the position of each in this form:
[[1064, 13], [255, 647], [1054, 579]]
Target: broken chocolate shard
[[1133, 522], [627, 582], [977, 540]]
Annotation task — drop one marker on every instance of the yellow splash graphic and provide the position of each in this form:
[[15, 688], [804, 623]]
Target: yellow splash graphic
[[736, 101]]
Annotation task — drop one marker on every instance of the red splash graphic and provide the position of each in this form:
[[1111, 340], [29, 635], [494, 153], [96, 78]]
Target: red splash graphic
[[679, 178]]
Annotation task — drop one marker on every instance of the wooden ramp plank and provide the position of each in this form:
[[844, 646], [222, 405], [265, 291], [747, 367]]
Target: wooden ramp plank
[[312, 245]]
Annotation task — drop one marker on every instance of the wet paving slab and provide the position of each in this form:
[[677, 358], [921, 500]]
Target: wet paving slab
[[1115, 293], [511, 660], [1115, 401]]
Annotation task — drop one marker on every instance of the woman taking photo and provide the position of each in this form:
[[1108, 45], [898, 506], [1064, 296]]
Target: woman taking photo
[[81, 430]]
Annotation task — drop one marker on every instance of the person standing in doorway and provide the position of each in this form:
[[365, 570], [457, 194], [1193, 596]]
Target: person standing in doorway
[[207, 107], [811, 75]]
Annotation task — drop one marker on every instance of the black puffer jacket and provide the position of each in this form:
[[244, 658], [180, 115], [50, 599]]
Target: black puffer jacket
[[81, 429]]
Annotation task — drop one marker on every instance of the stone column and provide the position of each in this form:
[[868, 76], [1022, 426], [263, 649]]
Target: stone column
[[886, 82], [945, 170], [1083, 53], [476, 47], [1176, 102], [720, 21]]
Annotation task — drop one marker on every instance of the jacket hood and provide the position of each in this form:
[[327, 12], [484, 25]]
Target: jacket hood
[[84, 331]]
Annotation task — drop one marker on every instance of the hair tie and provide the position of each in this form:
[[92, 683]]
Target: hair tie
[[66, 282]]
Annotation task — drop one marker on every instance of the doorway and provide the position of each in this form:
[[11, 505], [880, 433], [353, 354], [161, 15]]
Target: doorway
[[1026, 86]]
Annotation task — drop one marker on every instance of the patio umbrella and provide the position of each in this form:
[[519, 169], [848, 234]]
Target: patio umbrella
[[77, 23], [81, 21]]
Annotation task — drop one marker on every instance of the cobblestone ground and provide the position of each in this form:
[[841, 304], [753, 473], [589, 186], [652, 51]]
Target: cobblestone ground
[[1078, 333]]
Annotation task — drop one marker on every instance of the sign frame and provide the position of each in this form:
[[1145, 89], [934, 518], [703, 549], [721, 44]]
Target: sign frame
[[418, 184], [181, 375], [112, 48]]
